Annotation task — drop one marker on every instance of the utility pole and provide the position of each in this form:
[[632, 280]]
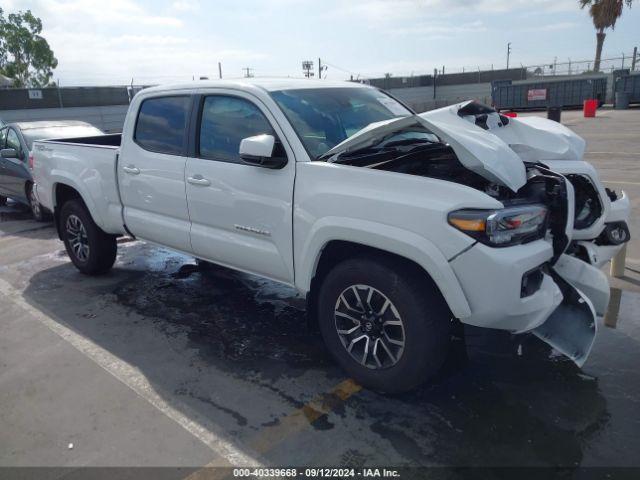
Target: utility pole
[[508, 53], [319, 68], [220, 70], [633, 61], [247, 72], [435, 74]]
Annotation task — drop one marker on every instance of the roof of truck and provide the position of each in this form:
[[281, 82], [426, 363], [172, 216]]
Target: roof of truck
[[268, 84]]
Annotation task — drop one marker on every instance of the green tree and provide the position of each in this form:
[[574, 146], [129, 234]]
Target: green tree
[[25, 56], [604, 14]]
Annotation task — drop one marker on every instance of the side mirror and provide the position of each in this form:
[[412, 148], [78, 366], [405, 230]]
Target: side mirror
[[8, 153], [258, 151]]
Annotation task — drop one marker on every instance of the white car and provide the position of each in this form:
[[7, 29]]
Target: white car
[[393, 224]]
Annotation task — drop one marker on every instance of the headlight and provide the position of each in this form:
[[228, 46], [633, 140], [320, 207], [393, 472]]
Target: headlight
[[504, 227]]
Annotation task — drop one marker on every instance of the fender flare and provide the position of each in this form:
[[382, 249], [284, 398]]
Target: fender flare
[[388, 238], [69, 181]]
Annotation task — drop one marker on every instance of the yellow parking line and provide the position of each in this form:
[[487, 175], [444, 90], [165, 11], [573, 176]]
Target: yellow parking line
[[287, 426], [301, 418]]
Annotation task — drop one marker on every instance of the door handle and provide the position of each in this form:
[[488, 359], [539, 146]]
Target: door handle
[[131, 169], [199, 180]]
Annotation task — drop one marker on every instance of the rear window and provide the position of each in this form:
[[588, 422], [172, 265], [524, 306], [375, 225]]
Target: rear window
[[72, 131], [161, 124]]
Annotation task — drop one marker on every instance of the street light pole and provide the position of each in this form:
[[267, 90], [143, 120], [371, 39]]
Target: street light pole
[[508, 53]]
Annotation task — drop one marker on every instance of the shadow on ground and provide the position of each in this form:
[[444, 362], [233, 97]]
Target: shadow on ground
[[236, 351]]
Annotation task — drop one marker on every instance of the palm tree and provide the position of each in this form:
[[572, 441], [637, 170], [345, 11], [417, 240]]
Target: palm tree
[[604, 14]]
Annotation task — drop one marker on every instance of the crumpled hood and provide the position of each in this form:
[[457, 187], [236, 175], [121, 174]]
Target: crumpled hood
[[497, 153]]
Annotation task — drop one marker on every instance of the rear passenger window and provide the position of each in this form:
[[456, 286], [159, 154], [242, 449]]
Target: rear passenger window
[[225, 122], [162, 123]]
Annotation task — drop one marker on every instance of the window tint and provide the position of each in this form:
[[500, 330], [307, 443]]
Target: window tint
[[225, 122], [162, 123], [13, 141]]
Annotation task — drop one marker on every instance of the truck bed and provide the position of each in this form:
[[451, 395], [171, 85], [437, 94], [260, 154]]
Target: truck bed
[[87, 165], [111, 140]]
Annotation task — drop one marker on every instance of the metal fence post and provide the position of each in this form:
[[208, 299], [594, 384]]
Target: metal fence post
[[59, 94], [618, 263]]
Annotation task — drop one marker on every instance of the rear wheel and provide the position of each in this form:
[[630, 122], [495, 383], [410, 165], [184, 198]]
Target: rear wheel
[[386, 326], [37, 211], [91, 250]]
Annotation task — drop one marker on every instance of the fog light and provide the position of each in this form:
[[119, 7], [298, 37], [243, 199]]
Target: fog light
[[616, 233]]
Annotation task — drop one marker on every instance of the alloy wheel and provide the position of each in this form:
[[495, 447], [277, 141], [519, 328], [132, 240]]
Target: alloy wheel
[[77, 236], [35, 205], [369, 326]]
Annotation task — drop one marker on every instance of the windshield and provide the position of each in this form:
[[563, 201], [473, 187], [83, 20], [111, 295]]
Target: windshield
[[61, 131], [324, 117]]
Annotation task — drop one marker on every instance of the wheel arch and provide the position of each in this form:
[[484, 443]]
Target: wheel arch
[[62, 193], [328, 246]]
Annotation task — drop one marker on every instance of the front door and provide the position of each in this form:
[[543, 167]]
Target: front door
[[151, 172], [15, 170], [241, 215]]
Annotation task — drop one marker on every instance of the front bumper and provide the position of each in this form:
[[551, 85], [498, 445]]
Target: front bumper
[[491, 279], [557, 312]]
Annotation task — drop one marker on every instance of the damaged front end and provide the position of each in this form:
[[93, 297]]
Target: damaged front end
[[460, 144]]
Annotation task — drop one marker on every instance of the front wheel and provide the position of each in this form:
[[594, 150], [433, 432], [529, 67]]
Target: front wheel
[[91, 250], [387, 326]]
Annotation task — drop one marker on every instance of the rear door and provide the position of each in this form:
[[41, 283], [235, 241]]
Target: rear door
[[3, 139], [241, 214], [151, 171]]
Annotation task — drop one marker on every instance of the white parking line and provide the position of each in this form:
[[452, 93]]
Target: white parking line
[[137, 382], [613, 153], [620, 182]]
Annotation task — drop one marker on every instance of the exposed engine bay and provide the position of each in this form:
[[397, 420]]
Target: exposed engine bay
[[534, 167], [438, 160]]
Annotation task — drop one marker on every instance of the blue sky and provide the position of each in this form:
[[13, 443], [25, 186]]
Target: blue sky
[[111, 42]]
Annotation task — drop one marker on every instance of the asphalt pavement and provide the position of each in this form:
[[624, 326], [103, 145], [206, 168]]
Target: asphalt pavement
[[163, 364]]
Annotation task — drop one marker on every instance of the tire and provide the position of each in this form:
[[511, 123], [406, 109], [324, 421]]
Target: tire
[[424, 329], [79, 231], [3, 201], [39, 215]]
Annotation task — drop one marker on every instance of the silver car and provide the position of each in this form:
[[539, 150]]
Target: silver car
[[16, 142]]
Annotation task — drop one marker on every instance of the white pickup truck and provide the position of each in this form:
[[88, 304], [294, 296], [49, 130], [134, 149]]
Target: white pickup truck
[[393, 224]]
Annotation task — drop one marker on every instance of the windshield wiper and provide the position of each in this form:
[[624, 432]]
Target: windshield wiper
[[407, 141], [396, 145]]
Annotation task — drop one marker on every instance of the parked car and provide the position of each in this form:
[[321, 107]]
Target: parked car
[[16, 142], [394, 225]]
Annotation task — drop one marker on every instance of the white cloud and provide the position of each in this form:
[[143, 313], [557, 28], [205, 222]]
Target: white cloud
[[438, 29], [98, 12], [386, 11], [185, 6]]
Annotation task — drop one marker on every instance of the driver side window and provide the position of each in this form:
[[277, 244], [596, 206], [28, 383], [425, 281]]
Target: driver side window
[[224, 122]]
